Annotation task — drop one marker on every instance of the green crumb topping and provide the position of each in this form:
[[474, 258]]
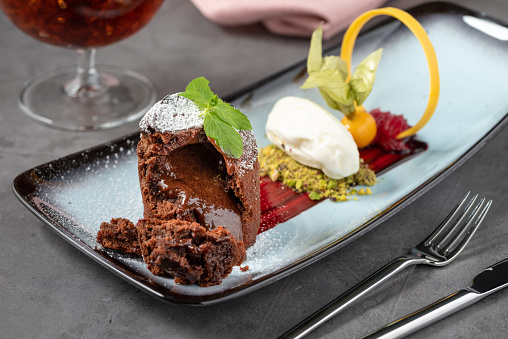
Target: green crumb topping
[[279, 166]]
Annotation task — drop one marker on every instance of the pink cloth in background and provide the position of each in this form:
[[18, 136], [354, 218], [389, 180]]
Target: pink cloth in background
[[287, 17]]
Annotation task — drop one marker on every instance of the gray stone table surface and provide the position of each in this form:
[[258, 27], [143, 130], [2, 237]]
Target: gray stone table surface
[[48, 289]]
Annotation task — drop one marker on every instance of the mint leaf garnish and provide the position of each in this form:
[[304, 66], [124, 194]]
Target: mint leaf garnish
[[221, 120], [199, 92], [232, 116], [228, 139]]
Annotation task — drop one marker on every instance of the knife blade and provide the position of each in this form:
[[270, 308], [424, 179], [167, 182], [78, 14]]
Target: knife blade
[[488, 281]]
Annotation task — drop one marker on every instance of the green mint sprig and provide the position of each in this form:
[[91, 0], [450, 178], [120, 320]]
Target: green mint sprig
[[221, 120], [329, 75]]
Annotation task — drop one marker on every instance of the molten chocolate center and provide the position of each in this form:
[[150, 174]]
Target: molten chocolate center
[[195, 178]]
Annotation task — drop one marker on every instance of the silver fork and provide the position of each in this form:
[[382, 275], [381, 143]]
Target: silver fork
[[439, 249]]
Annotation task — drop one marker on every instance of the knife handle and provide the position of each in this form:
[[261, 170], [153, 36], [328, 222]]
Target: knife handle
[[427, 315]]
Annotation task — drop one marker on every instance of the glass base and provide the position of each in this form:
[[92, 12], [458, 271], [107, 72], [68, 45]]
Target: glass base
[[127, 96]]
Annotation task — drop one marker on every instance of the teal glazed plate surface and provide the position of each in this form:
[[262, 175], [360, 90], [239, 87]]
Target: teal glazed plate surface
[[74, 194]]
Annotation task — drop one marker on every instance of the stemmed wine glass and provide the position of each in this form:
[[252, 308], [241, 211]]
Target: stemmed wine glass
[[87, 96]]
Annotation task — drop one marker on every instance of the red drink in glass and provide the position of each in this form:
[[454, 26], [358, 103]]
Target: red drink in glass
[[80, 23]]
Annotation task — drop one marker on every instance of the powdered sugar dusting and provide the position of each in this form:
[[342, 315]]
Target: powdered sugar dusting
[[176, 113], [171, 114], [250, 152]]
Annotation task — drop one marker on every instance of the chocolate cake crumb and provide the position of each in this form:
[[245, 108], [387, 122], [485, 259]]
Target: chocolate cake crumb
[[119, 234], [189, 252]]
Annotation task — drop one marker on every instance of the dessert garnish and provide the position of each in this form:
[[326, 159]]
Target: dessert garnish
[[221, 120], [342, 91], [388, 127], [346, 92], [312, 152], [308, 133], [277, 165]]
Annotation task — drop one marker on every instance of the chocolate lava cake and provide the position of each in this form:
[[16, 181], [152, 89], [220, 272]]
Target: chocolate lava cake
[[184, 176]]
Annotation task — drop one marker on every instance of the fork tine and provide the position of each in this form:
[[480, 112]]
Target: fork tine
[[458, 222], [445, 222], [463, 237], [464, 229]]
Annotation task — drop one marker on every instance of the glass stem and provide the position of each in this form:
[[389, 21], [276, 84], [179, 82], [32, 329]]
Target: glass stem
[[87, 83]]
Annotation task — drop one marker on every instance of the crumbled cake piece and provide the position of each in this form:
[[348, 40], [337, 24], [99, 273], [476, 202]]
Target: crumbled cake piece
[[119, 234], [189, 252]]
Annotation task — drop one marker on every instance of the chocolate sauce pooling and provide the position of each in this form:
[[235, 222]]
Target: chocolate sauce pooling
[[194, 177]]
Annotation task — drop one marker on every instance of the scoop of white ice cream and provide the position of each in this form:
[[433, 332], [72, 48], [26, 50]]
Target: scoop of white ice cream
[[313, 137]]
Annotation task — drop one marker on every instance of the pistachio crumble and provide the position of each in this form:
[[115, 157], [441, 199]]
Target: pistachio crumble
[[276, 164]]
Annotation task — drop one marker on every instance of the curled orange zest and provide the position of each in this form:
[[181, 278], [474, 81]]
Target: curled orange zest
[[415, 27]]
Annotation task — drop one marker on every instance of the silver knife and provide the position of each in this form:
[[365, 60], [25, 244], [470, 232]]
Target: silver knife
[[490, 280]]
